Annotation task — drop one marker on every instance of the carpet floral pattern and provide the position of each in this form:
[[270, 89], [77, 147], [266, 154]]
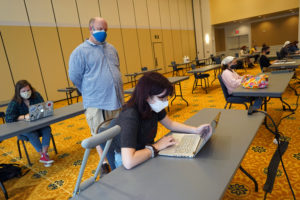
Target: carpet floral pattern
[[58, 181]]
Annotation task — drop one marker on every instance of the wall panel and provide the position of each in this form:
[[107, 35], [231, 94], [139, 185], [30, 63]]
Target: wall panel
[[68, 26], [131, 48], [21, 53], [6, 81], [176, 32], [45, 35], [143, 31], [285, 28], [87, 10], [183, 27], [167, 32], [109, 11]]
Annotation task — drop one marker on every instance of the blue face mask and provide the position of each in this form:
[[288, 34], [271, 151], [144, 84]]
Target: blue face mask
[[100, 36]]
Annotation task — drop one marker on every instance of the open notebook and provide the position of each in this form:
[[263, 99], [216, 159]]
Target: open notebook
[[188, 145]]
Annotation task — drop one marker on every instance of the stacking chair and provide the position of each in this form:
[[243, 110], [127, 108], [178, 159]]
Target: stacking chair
[[176, 69], [2, 115], [24, 138], [217, 60], [278, 55], [200, 76], [233, 99], [89, 144], [78, 94]]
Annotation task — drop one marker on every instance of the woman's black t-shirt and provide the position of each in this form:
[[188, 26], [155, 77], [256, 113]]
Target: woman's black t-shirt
[[135, 131], [264, 61]]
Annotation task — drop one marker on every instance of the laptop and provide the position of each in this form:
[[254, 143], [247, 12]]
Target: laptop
[[188, 145], [40, 110]]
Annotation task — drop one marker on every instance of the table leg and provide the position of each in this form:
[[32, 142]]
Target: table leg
[[70, 93], [180, 95], [134, 78], [215, 76], [131, 80], [67, 95]]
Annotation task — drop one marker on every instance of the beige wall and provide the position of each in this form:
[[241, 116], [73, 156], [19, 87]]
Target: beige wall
[[220, 39], [285, 28], [134, 27], [230, 10]]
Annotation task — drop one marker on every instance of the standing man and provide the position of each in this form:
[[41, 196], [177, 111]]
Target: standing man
[[94, 69]]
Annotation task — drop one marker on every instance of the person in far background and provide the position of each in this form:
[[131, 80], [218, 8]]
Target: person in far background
[[264, 61], [243, 53], [293, 48], [284, 51], [254, 53], [95, 71], [17, 110]]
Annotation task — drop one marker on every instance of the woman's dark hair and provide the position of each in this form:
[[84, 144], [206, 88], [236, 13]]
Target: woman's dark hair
[[265, 48], [152, 83], [19, 85]]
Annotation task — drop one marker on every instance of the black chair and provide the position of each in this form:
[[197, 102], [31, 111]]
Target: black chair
[[24, 138], [233, 99], [200, 76], [217, 60], [278, 55], [78, 94], [2, 115], [198, 63], [176, 69]]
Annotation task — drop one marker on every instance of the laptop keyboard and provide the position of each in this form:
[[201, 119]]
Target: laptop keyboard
[[187, 143]]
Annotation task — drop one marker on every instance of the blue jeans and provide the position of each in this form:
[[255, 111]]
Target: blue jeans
[[34, 138], [114, 158]]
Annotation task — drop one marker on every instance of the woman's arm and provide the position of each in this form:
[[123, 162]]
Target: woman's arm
[[12, 112], [229, 79], [179, 127], [131, 157]]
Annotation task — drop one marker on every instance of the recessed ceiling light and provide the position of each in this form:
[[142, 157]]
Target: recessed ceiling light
[[259, 16]]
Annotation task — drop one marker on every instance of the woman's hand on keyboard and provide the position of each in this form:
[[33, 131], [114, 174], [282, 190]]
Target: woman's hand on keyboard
[[164, 142], [204, 130]]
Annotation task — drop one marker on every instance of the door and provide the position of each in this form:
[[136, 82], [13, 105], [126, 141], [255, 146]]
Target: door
[[158, 56]]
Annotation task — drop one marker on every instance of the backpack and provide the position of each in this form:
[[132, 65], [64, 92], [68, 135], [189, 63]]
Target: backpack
[[9, 171]]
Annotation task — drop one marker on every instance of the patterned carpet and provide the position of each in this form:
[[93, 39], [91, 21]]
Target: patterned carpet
[[58, 181]]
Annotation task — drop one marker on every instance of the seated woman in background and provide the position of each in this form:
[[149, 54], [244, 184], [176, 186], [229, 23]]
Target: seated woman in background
[[17, 110], [264, 61], [243, 53], [139, 120], [284, 51], [254, 53], [230, 78], [293, 48]]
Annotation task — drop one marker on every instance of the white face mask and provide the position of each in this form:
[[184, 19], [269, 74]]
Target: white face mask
[[158, 105], [25, 95]]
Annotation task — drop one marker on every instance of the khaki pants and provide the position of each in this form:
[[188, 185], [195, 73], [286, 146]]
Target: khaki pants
[[94, 117]]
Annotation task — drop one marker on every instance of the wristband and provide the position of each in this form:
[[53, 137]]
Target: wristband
[[151, 149], [155, 151]]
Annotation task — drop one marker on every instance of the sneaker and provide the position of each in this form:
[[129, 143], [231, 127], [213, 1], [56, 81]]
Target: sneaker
[[45, 159], [105, 168], [47, 164]]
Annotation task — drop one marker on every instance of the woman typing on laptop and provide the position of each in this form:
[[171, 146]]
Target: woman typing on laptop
[[139, 119], [25, 95]]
